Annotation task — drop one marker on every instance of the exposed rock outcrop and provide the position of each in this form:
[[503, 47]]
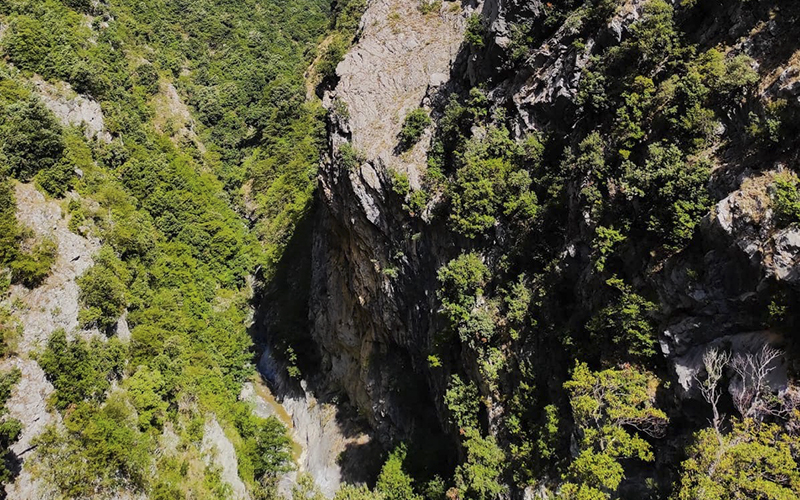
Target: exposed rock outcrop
[[400, 55], [218, 450], [332, 447], [52, 305], [73, 109], [372, 338]]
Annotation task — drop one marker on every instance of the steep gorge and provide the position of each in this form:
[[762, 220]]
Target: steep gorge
[[399, 250], [375, 304]]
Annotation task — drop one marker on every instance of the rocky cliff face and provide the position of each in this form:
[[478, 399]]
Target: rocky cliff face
[[374, 304], [373, 323]]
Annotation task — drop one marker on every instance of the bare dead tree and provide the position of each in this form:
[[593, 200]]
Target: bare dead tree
[[752, 395], [653, 423], [714, 362]]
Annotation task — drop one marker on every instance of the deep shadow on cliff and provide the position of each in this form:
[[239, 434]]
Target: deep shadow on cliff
[[281, 328]]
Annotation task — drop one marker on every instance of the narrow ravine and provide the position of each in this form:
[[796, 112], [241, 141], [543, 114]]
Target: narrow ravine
[[328, 443]]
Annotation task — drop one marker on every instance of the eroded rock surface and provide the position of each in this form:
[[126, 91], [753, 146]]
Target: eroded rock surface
[[51, 305], [73, 109], [400, 55], [218, 450]]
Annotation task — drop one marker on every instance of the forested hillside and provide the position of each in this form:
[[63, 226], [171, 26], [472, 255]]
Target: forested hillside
[[542, 250], [204, 158]]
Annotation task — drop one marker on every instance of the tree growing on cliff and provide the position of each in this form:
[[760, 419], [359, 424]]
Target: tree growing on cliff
[[394, 483], [414, 126], [625, 322], [753, 461], [611, 410], [479, 477]]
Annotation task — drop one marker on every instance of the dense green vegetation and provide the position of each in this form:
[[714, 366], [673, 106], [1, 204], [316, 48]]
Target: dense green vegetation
[[185, 209]]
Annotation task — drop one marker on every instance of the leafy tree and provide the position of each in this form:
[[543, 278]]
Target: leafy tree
[[625, 322], [271, 449], [99, 451], [461, 281], [360, 492], [479, 478], [463, 401], [103, 291], [589, 168], [632, 119], [610, 408], [753, 461], [606, 238], [146, 389], [676, 189], [333, 55], [81, 370], [654, 37], [393, 482], [490, 185], [32, 139]]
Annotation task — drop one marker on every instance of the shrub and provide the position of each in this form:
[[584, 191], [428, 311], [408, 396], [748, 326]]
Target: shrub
[[361, 492], [10, 428], [349, 157], [770, 126], [334, 54], [32, 267], [414, 126], [147, 78], [57, 179], [9, 229], [400, 183], [785, 194], [103, 291], [475, 34], [430, 6]]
